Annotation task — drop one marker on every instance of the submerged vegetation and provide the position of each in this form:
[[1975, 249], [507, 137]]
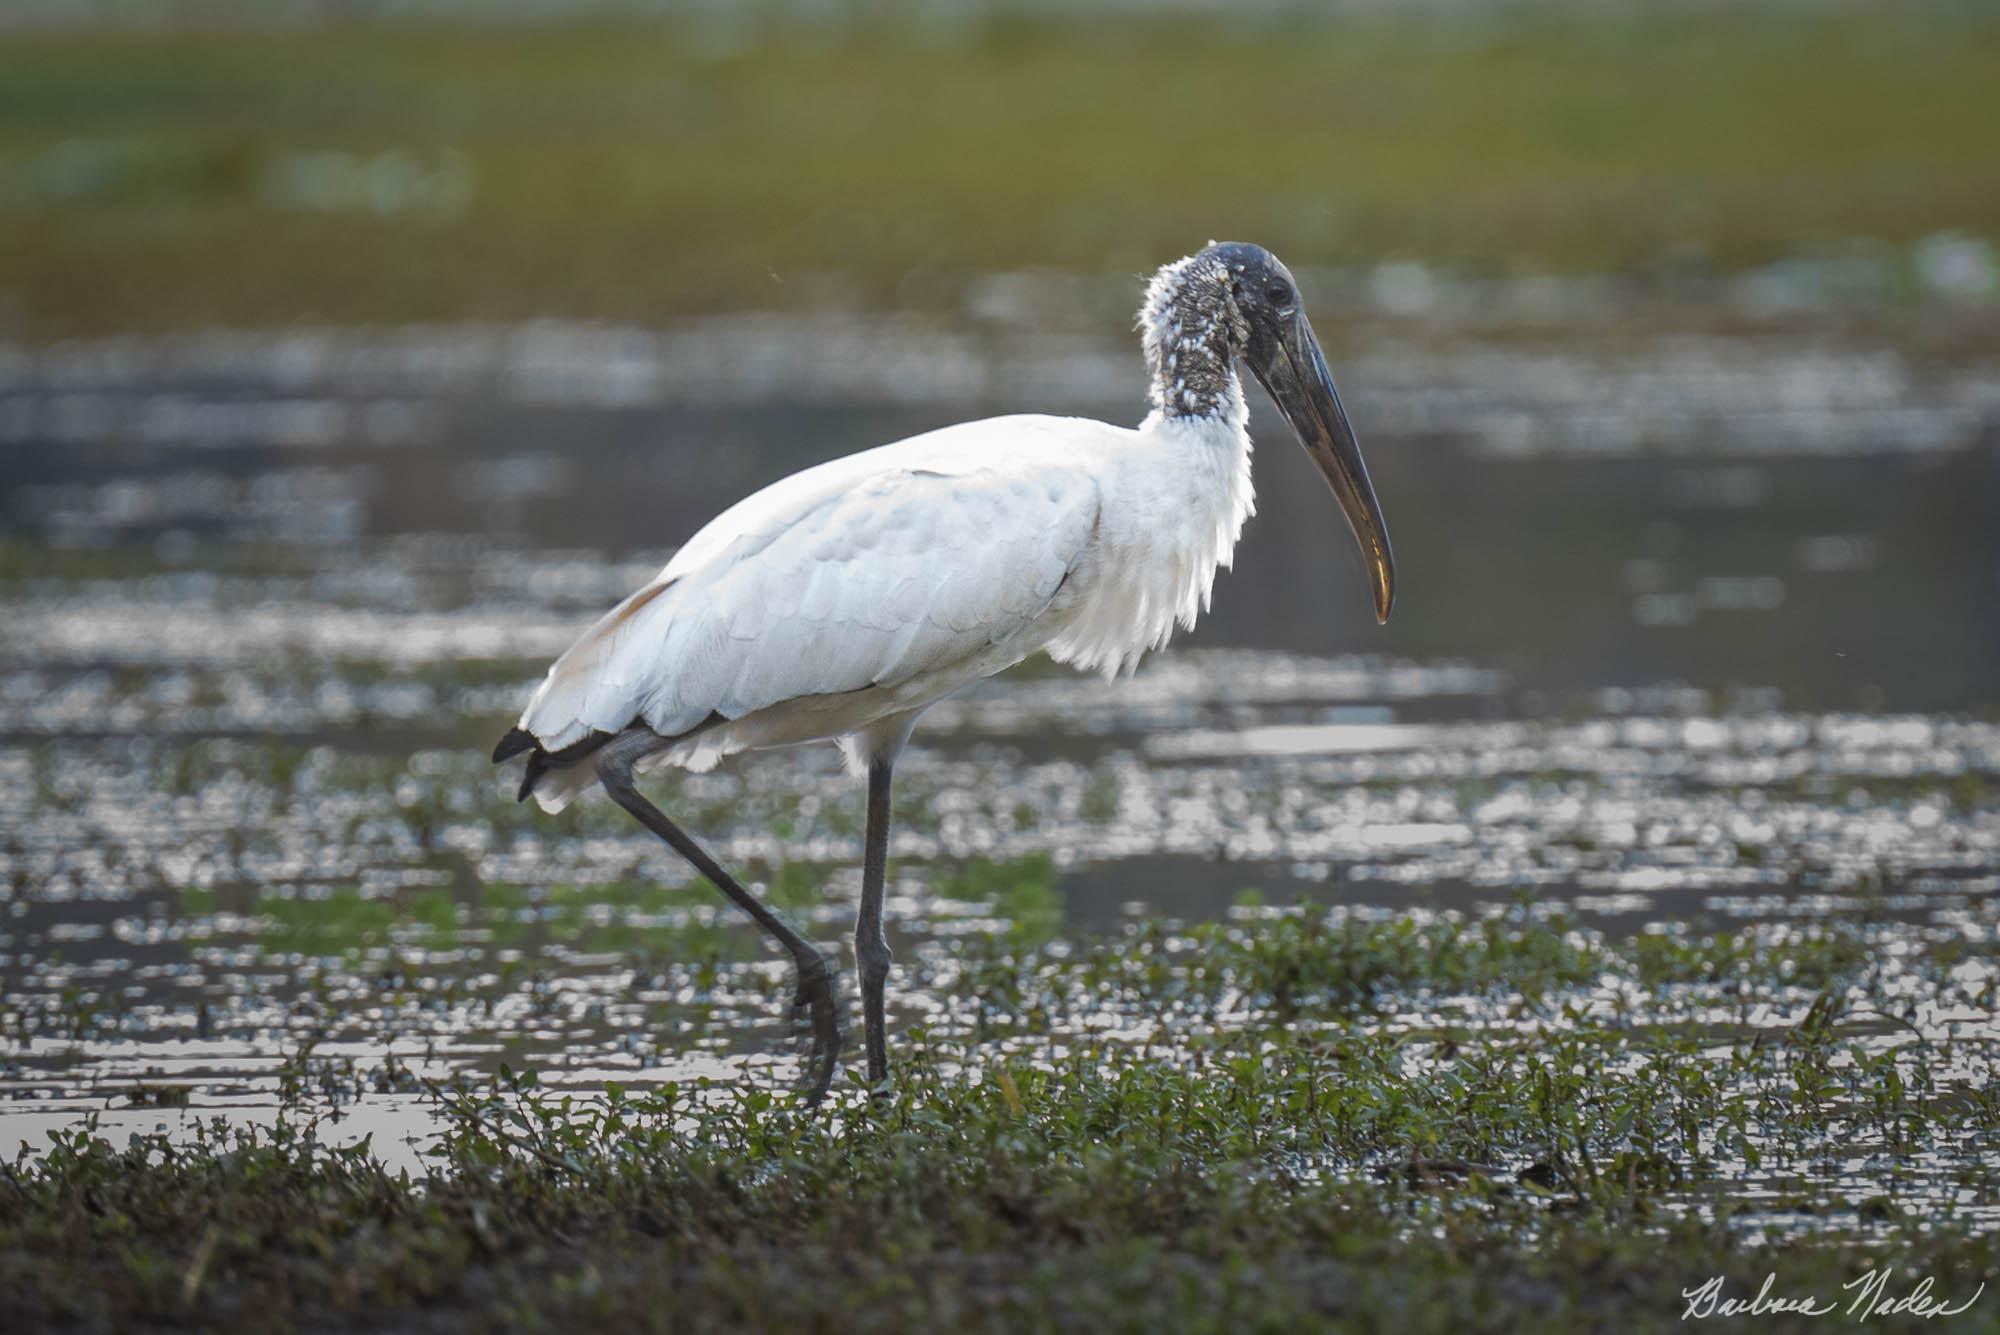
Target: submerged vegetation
[[1241, 1133]]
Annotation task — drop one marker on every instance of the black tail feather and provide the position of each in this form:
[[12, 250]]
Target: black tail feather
[[538, 765], [540, 759]]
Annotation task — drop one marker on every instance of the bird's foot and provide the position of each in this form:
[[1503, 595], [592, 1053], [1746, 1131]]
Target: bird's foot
[[816, 1018]]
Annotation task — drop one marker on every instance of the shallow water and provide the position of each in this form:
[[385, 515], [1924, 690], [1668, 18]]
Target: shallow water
[[1703, 633]]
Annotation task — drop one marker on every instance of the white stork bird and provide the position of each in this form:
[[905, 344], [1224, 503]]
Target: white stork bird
[[844, 600]]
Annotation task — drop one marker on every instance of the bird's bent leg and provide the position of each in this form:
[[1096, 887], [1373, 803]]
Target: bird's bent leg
[[815, 968], [871, 947]]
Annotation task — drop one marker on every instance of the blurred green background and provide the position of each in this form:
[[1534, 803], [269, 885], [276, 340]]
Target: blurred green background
[[276, 164]]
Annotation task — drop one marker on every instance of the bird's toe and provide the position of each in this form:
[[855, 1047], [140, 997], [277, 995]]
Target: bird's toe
[[816, 1021]]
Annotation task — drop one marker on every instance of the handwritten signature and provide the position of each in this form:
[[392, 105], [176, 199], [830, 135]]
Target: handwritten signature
[[1870, 1297]]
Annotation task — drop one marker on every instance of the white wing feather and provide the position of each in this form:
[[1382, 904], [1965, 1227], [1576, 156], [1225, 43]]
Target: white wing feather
[[867, 571]]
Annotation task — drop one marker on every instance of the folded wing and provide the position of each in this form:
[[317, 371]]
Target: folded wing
[[870, 571]]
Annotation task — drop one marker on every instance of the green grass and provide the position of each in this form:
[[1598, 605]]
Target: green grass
[[1023, 892], [623, 171], [1301, 1167]]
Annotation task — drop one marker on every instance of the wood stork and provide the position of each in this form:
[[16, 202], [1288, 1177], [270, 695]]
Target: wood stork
[[842, 601]]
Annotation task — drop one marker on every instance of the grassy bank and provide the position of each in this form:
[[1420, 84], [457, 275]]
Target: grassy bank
[[1258, 1144], [364, 173]]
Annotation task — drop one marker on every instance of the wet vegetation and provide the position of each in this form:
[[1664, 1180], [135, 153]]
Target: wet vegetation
[[339, 1037], [1285, 1119], [1260, 988]]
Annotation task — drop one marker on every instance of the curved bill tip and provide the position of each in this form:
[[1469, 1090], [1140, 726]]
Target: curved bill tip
[[1382, 575], [1303, 388]]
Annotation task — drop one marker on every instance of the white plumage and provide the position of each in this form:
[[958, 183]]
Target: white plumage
[[841, 600]]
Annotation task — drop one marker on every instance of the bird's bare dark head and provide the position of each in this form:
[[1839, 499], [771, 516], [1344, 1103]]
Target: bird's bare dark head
[[1275, 340], [1264, 296], [1203, 312]]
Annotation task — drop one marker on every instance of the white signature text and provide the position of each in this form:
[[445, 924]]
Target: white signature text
[[1867, 1295]]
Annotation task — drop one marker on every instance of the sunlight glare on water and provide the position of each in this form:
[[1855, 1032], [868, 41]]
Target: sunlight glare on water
[[258, 860]]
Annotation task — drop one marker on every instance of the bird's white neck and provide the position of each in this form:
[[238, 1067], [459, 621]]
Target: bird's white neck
[[1191, 330], [1172, 507]]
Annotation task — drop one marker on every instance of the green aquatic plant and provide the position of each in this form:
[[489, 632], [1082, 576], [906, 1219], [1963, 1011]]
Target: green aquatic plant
[[1582, 1171]]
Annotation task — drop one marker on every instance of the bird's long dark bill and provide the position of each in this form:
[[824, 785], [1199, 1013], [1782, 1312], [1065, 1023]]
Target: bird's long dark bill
[[1303, 388]]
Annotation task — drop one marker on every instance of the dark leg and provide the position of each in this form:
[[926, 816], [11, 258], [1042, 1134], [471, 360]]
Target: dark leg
[[871, 947], [816, 970]]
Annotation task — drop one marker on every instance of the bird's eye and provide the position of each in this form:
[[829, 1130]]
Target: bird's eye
[[1278, 294]]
